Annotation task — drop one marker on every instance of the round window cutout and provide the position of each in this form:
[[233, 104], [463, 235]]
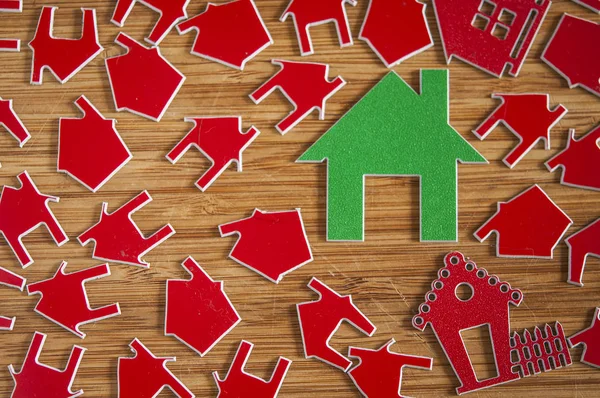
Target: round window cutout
[[464, 292], [454, 260]]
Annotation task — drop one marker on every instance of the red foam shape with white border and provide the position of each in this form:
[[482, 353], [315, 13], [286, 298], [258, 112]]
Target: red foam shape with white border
[[10, 279], [238, 383], [379, 372], [307, 13], [90, 148], [320, 319], [145, 375], [38, 380], [117, 237], [396, 30], [590, 338], [171, 12], [64, 298], [12, 123], [198, 312], [24, 209], [12, 6], [220, 139], [231, 33], [593, 5], [63, 57], [580, 161], [272, 244], [529, 225], [572, 52], [582, 244], [305, 85], [527, 116], [142, 80], [479, 46]]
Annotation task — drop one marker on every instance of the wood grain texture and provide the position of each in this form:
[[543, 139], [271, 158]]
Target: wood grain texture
[[387, 275]]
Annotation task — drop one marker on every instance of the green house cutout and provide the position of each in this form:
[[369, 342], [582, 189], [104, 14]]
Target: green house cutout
[[394, 131]]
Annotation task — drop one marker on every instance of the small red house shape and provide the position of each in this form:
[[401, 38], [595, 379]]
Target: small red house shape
[[396, 30], [580, 161], [572, 52], [64, 298], [171, 12], [305, 85], [24, 209], [529, 225], [13, 280], [63, 57], [10, 6], [220, 139], [379, 372], [319, 320], [11, 122], [487, 305], [145, 375], [527, 116], [142, 81], [490, 34], [238, 383], [198, 312], [271, 244], [590, 338], [38, 380], [231, 33], [90, 149], [117, 237], [307, 13], [582, 244]]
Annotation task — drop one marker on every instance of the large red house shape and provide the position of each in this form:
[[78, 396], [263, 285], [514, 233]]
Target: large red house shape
[[489, 301], [490, 35]]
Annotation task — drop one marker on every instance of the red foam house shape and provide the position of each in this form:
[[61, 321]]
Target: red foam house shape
[[319, 320], [198, 312], [231, 33], [238, 383], [573, 52], [528, 116], [582, 244], [529, 225], [117, 237], [388, 21], [171, 12], [38, 380], [307, 13], [90, 149], [593, 5], [24, 209], [488, 304], [10, 6], [145, 375], [272, 244], [220, 139], [11, 122], [13, 280], [305, 85], [379, 372], [580, 161], [142, 80], [64, 298], [490, 34], [590, 338], [63, 57]]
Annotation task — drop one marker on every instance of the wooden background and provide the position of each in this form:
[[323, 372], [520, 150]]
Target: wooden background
[[387, 275]]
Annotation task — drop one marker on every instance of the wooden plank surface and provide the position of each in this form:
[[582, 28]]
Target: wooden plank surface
[[387, 275]]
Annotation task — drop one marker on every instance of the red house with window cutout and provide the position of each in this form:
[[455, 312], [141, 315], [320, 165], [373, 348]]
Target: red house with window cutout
[[490, 34], [487, 305]]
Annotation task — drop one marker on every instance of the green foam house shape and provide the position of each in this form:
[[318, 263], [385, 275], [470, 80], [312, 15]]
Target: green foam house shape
[[394, 131]]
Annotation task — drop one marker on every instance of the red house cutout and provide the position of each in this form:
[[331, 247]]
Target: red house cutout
[[488, 305], [490, 34], [11, 6]]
